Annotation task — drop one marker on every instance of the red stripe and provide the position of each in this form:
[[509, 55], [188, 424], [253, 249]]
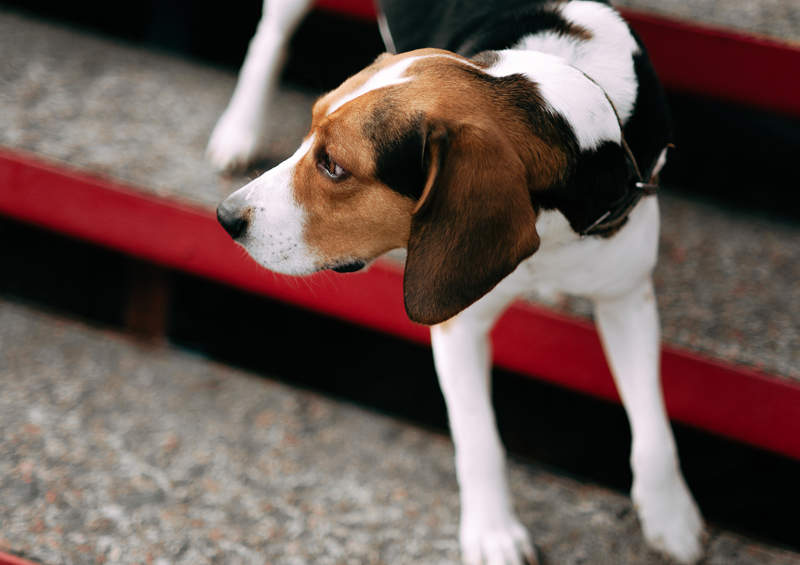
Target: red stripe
[[733, 401], [360, 8], [722, 64], [698, 59], [8, 559]]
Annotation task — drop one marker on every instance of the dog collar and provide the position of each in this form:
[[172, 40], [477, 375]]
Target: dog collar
[[613, 218]]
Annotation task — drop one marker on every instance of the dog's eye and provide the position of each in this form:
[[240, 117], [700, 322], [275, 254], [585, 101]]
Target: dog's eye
[[331, 168]]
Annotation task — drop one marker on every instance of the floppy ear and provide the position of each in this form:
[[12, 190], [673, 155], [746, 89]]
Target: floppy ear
[[472, 225]]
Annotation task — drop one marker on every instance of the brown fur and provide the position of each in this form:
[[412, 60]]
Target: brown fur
[[482, 160], [357, 217], [474, 223]]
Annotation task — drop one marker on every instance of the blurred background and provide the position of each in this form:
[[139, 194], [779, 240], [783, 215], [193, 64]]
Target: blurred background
[[162, 399]]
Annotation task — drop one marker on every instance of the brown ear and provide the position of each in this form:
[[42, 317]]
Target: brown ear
[[472, 225]]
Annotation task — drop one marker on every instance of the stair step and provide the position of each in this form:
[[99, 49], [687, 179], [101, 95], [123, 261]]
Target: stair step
[[134, 124], [116, 451]]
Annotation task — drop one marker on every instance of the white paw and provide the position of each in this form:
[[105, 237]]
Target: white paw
[[670, 520], [235, 142], [504, 544]]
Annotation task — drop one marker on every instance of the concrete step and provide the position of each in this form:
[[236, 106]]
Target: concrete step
[[778, 19], [112, 451], [99, 434], [726, 280]]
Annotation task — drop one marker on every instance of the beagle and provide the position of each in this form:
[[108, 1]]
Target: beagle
[[501, 148]]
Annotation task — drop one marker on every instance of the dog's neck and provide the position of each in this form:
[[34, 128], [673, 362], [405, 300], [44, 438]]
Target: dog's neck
[[594, 39]]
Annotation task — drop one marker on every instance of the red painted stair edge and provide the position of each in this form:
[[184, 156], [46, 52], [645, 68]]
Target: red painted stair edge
[[733, 401], [8, 559]]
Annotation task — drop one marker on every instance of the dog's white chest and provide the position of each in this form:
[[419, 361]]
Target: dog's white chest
[[589, 266]]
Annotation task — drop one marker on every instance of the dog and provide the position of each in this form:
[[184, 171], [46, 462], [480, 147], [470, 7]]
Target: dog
[[509, 147]]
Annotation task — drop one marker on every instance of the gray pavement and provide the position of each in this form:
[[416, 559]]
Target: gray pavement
[[115, 452], [727, 282], [777, 19]]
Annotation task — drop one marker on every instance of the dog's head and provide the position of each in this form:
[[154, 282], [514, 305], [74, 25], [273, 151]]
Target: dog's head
[[423, 150]]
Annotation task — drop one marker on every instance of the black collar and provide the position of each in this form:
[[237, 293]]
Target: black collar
[[617, 214]]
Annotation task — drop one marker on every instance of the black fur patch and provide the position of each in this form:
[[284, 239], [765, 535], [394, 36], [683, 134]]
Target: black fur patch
[[648, 130], [503, 31], [592, 181], [521, 94], [598, 179], [470, 26], [398, 149]]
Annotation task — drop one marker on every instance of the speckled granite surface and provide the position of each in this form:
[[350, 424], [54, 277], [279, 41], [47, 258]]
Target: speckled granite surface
[[779, 19], [727, 282], [113, 452]]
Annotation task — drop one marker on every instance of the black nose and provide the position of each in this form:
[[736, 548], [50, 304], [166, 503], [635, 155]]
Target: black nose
[[234, 220]]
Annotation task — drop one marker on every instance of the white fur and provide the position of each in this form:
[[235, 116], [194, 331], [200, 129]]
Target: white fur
[[238, 137], [607, 57], [567, 91], [490, 532], [386, 33], [660, 162], [390, 76], [629, 329], [614, 272], [274, 237]]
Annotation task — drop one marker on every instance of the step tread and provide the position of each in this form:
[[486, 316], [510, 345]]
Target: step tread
[[726, 280], [777, 19], [114, 449]]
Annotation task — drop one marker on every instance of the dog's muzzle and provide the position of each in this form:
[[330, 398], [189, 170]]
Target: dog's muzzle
[[232, 218]]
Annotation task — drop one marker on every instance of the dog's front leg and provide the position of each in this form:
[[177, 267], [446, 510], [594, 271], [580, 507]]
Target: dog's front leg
[[239, 134], [630, 332], [490, 533]]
